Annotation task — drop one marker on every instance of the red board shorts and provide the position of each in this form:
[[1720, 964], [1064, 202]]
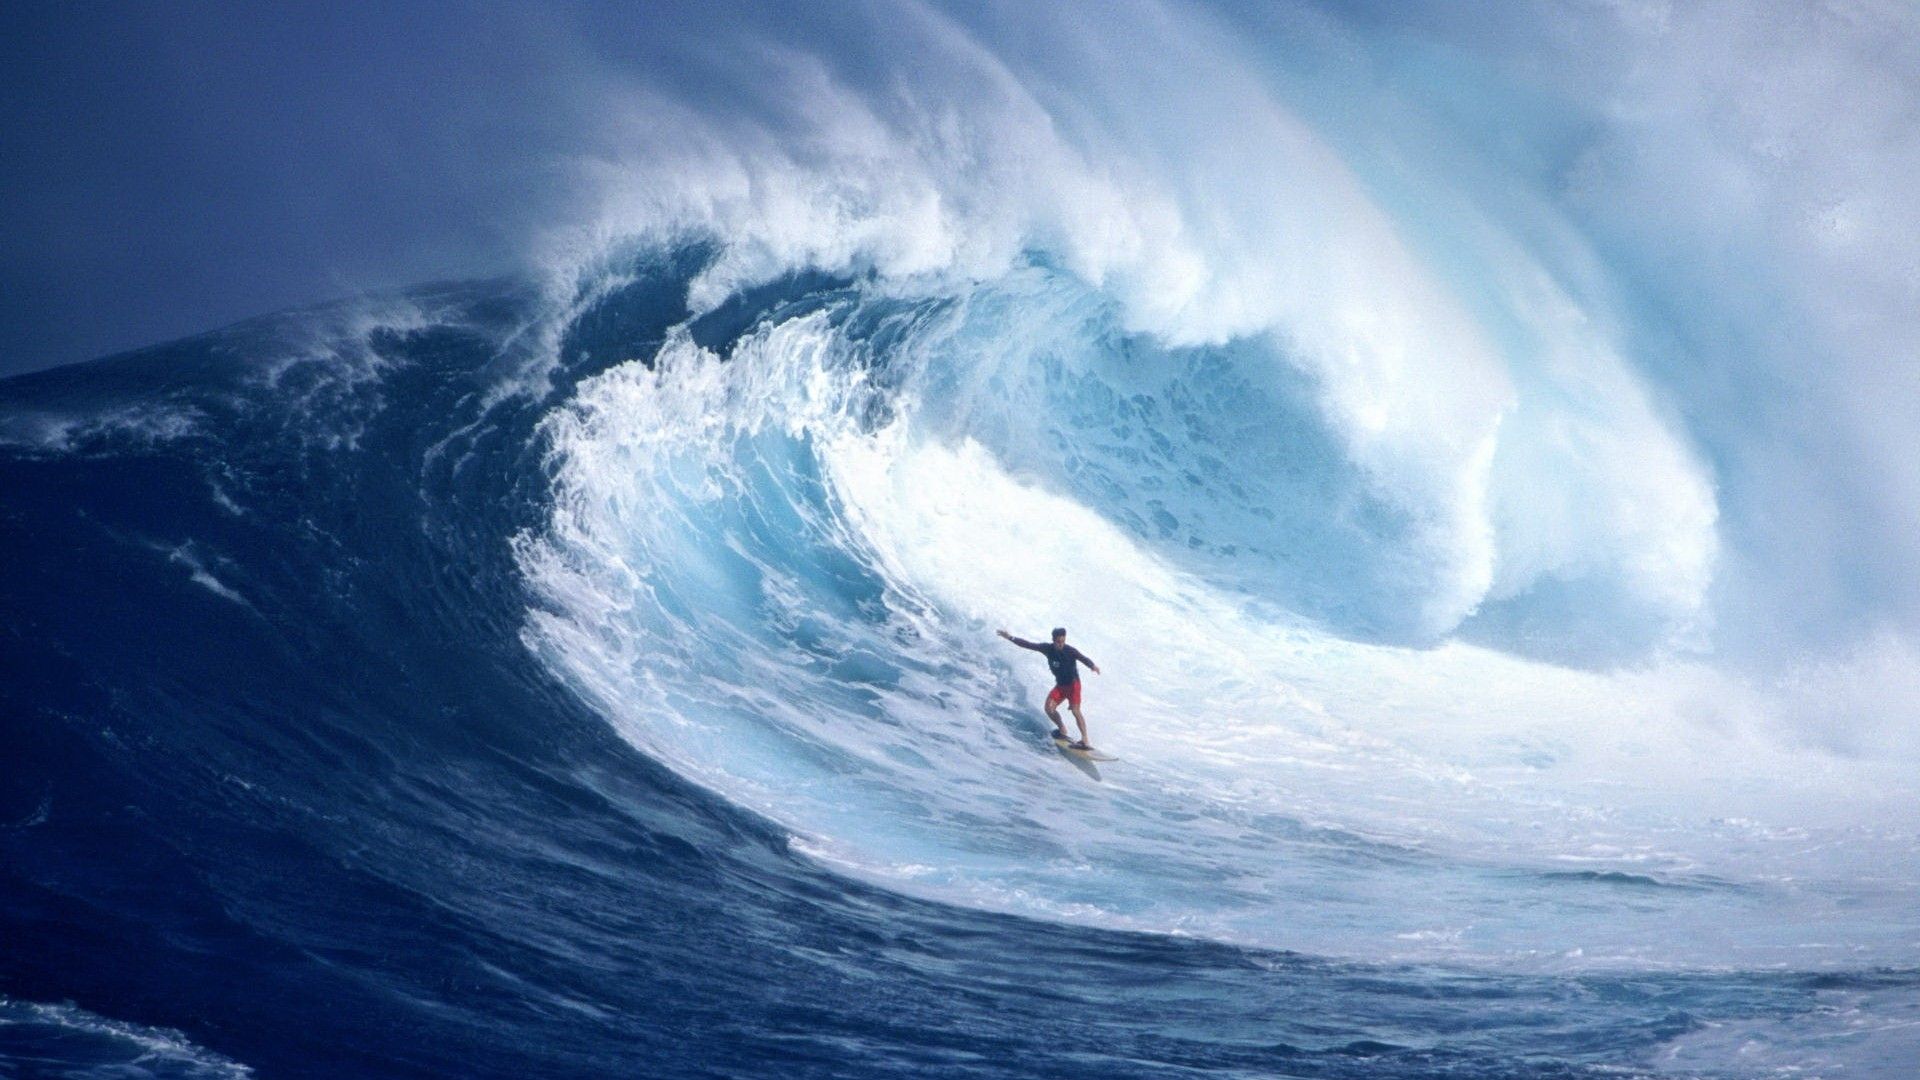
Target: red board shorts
[[1070, 693]]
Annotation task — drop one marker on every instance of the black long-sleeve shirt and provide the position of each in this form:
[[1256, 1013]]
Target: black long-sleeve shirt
[[1061, 658]]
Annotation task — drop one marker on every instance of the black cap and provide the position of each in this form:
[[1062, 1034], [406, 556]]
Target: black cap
[[1059, 631]]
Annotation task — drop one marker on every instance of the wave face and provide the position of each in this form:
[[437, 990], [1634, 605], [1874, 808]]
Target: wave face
[[593, 671]]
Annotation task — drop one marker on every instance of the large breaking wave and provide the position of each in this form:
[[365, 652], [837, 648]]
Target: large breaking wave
[[1252, 416], [776, 565]]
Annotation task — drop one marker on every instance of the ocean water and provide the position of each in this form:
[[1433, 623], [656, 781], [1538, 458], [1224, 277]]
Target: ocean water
[[592, 671]]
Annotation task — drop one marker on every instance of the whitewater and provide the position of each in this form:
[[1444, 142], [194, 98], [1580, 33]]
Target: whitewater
[[1479, 479]]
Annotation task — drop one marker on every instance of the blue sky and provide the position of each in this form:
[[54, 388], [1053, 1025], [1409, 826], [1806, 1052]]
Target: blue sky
[[173, 167]]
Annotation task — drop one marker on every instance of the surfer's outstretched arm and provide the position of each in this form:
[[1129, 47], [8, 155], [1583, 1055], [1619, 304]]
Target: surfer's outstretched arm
[[1035, 646]]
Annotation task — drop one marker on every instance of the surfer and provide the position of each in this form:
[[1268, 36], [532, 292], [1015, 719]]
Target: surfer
[[1064, 659]]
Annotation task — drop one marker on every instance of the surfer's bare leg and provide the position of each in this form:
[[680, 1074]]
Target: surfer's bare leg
[[1059, 726], [1078, 719]]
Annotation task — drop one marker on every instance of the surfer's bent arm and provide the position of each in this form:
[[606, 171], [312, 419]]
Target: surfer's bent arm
[[1087, 660]]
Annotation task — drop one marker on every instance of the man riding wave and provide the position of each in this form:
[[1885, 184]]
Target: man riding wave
[[1065, 660]]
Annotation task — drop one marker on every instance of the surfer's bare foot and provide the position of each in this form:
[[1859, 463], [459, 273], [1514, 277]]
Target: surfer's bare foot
[[1082, 744]]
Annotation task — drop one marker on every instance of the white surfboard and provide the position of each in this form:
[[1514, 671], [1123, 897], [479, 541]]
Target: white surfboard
[[1092, 753]]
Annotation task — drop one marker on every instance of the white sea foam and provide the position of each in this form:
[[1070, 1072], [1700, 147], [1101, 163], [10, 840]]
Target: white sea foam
[[142, 424], [100, 1046], [197, 572]]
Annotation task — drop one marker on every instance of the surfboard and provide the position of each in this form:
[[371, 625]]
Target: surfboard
[[1090, 754]]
